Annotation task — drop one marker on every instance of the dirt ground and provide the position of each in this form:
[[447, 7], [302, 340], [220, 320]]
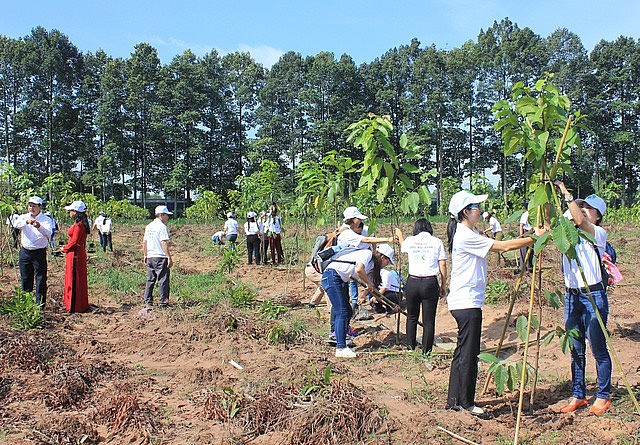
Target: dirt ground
[[169, 377]]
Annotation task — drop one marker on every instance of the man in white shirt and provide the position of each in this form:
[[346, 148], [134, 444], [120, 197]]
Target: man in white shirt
[[157, 257], [98, 226], [524, 230], [105, 229], [36, 230]]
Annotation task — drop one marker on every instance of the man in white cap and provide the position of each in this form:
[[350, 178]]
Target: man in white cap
[[36, 230], [231, 230], [157, 257]]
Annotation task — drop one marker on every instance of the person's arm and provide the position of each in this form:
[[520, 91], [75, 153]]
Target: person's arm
[[362, 274], [167, 252], [399, 235], [516, 243], [144, 251], [442, 265], [73, 239], [576, 212]]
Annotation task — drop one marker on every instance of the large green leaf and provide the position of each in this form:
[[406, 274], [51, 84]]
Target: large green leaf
[[500, 377], [521, 327], [383, 189]]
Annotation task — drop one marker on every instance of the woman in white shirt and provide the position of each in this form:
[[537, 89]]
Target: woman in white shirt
[[427, 260], [251, 229], [469, 250], [335, 281]]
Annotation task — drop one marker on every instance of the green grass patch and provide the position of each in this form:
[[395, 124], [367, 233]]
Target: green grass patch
[[25, 314]]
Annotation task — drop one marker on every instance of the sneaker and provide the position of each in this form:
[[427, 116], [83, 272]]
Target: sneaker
[[332, 336], [345, 353], [475, 410], [352, 332]]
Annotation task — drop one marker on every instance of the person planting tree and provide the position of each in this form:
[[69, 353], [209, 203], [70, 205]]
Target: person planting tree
[[579, 312], [469, 250]]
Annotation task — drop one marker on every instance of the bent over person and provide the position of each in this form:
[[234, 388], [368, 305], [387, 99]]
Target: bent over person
[[157, 257], [36, 230]]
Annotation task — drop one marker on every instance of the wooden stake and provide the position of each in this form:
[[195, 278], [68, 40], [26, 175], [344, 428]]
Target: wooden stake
[[456, 436]]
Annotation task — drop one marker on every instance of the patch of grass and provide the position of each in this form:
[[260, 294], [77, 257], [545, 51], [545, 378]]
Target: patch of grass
[[630, 440], [286, 332], [497, 292], [23, 311], [120, 284]]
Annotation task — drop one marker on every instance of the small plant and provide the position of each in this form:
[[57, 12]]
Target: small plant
[[239, 296], [26, 314], [496, 292], [229, 261], [270, 310]]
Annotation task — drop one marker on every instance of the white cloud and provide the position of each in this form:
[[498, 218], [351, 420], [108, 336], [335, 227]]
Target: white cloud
[[170, 47]]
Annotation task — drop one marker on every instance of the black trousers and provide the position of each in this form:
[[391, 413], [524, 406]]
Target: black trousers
[[253, 248], [105, 239], [33, 264], [265, 248], [421, 293], [464, 366]]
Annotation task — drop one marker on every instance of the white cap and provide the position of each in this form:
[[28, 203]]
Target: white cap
[[594, 201], [387, 251], [484, 215], [462, 199], [163, 209], [229, 215], [251, 215], [35, 200], [78, 206], [353, 212]]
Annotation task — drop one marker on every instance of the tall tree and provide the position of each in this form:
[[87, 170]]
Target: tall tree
[[143, 70]]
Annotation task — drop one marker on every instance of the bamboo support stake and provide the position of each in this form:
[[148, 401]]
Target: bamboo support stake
[[537, 359], [508, 317], [523, 375]]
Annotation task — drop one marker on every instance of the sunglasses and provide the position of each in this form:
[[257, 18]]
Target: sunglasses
[[473, 206]]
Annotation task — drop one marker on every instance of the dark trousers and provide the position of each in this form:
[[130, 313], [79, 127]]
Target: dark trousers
[[421, 293], [15, 236], [464, 366], [33, 264], [275, 245], [157, 270], [101, 236], [265, 248], [253, 248], [232, 241], [105, 241]]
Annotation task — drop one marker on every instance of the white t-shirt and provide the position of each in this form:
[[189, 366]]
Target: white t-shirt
[[468, 269], [524, 221], [99, 221], [588, 260], [251, 228], [345, 269], [274, 224], [156, 232], [231, 227], [350, 238], [495, 225], [105, 226], [424, 252], [389, 281]]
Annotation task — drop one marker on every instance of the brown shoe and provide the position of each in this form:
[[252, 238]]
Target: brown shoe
[[600, 410], [574, 405]]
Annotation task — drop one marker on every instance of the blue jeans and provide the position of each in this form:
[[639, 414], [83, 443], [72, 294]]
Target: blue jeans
[[338, 293], [353, 292], [579, 313]]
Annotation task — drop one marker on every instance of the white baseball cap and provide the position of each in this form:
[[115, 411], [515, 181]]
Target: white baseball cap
[[229, 215], [462, 199], [35, 200], [78, 206], [163, 209], [594, 201], [251, 215], [353, 212], [484, 215], [387, 251]]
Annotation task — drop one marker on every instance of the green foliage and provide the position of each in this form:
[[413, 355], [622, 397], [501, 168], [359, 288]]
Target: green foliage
[[123, 209], [388, 172], [270, 310], [506, 374], [285, 333], [449, 186], [23, 311], [229, 261], [261, 188], [240, 295], [206, 207]]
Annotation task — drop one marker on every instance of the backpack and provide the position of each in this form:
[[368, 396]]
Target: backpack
[[610, 272], [332, 255], [323, 242]]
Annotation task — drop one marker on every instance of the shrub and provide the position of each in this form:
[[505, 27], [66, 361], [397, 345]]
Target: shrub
[[26, 314]]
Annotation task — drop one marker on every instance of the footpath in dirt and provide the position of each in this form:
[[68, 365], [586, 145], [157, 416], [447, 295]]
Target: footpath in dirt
[[229, 376]]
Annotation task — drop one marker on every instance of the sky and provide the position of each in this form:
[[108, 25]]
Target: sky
[[365, 30]]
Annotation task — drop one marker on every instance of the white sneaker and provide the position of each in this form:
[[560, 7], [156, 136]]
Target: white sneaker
[[475, 410], [345, 353]]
